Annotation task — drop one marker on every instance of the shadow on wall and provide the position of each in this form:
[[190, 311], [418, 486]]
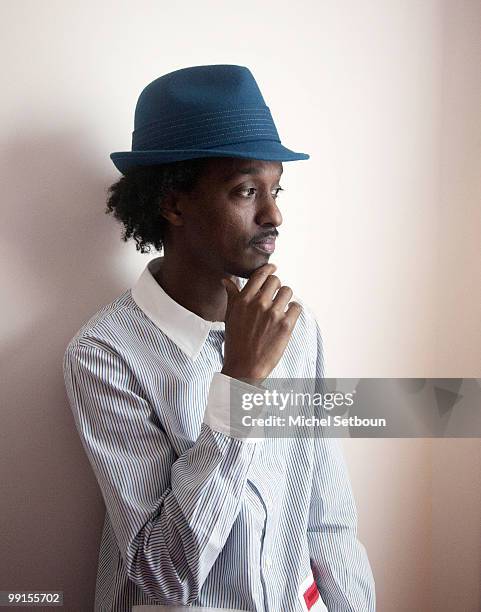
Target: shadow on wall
[[59, 247]]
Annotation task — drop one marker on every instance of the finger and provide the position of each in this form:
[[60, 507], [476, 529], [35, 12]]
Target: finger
[[257, 279], [292, 313], [230, 286], [282, 298], [231, 289], [267, 290]]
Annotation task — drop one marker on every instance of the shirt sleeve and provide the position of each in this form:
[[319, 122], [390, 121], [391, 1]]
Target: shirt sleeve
[[225, 406], [171, 515], [338, 559]]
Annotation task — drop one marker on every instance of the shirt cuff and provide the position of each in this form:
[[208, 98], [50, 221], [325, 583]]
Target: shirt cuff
[[225, 412]]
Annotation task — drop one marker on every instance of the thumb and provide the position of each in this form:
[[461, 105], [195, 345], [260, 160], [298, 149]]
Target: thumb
[[230, 286]]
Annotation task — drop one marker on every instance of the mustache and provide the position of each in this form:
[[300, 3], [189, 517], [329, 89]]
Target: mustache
[[272, 233]]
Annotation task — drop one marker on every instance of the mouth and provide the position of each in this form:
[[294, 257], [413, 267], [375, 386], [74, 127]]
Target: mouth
[[267, 245]]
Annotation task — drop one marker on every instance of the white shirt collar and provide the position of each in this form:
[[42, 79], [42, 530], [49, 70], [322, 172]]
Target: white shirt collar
[[185, 328]]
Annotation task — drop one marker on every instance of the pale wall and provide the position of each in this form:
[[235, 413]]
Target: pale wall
[[380, 236]]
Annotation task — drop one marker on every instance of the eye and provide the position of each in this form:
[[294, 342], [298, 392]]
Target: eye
[[248, 191]]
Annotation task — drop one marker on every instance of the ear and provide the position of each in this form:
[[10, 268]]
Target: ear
[[170, 209]]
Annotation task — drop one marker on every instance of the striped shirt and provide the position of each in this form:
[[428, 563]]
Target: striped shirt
[[195, 514]]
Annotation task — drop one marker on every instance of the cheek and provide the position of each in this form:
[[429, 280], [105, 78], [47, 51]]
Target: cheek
[[229, 223], [233, 230], [222, 225]]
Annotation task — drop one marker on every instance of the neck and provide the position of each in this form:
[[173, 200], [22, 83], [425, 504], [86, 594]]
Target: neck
[[194, 287]]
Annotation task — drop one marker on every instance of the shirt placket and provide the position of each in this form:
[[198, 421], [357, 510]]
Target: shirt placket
[[267, 541], [216, 339]]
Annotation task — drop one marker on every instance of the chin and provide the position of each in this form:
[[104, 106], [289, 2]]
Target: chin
[[246, 268]]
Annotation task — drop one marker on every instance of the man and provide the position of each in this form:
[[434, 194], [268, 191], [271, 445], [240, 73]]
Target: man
[[198, 511]]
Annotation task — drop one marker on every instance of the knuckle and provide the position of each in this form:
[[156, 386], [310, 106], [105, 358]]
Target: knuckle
[[263, 305], [274, 308], [263, 271], [286, 290], [276, 315]]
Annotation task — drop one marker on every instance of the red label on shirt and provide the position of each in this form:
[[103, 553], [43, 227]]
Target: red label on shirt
[[311, 595]]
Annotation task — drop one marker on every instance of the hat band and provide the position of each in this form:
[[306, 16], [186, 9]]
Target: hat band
[[207, 130]]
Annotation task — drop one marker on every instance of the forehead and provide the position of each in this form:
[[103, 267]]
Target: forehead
[[225, 169]]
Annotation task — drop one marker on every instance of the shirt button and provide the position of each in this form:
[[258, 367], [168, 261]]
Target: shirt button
[[268, 562]]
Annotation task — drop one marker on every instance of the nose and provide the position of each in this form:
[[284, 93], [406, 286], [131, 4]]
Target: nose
[[268, 212]]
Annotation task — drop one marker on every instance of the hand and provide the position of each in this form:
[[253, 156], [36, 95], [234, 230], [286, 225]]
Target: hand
[[257, 329]]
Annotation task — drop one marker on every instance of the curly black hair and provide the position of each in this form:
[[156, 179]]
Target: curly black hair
[[135, 199]]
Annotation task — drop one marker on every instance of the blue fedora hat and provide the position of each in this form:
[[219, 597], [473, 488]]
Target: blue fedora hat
[[203, 111]]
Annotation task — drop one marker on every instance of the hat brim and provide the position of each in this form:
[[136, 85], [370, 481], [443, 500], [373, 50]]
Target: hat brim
[[265, 150]]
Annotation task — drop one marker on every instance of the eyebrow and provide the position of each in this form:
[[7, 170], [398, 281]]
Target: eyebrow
[[243, 171]]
